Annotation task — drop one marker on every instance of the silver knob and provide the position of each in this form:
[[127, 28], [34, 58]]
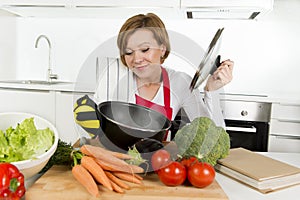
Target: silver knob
[[244, 113], [53, 76]]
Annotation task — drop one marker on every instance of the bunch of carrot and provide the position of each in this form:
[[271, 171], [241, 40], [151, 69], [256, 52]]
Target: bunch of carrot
[[105, 167]]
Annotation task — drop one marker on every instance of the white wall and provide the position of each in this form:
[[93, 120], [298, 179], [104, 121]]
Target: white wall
[[72, 41], [8, 45], [265, 51]]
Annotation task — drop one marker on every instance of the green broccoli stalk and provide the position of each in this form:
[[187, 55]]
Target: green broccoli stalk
[[204, 140]]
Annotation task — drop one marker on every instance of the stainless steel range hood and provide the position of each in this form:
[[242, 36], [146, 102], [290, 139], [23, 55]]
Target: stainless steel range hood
[[188, 9], [226, 9]]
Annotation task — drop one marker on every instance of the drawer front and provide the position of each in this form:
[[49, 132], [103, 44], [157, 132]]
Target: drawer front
[[284, 111], [40, 103], [284, 144], [282, 127]]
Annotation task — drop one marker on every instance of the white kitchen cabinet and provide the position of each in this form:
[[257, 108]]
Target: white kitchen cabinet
[[99, 3], [285, 127], [281, 143], [33, 2], [38, 102], [55, 106], [89, 8], [289, 112], [64, 120], [284, 135]]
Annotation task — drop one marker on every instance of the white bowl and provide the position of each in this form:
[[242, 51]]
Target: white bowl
[[30, 167]]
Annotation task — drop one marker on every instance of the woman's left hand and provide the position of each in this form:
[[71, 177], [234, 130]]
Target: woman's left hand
[[221, 77]]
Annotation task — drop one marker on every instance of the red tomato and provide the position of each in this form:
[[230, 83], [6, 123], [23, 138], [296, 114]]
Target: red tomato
[[201, 174], [187, 162], [173, 174], [160, 159]]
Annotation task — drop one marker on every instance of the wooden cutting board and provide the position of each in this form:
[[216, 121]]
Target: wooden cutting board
[[59, 183]]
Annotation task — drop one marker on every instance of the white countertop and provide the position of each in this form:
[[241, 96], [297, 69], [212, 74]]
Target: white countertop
[[268, 98], [238, 191], [89, 88], [67, 87]]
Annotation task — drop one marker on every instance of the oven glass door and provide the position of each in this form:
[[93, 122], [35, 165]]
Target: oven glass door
[[247, 134]]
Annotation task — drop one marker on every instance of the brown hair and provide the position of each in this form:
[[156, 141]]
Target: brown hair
[[149, 21]]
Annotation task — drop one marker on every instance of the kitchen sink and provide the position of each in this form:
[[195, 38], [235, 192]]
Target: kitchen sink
[[40, 82]]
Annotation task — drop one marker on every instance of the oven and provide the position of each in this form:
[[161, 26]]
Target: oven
[[247, 123]]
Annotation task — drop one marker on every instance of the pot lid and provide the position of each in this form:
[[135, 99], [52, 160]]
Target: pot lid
[[210, 61]]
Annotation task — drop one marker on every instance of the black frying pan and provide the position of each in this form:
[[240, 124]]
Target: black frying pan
[[124, 124]]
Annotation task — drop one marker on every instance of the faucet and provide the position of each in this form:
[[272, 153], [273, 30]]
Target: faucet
[[50, 76]]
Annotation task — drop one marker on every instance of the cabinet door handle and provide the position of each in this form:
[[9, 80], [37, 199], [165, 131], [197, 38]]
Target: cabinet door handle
[[289, 120], [290, 137], [241, 129]]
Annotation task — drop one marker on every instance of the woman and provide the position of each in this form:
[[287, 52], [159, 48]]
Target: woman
[[144, 45]]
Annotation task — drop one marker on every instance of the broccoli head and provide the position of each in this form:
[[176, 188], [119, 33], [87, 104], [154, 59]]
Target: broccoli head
[[204, 140]]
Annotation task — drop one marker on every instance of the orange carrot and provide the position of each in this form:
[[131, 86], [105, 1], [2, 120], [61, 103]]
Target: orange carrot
[[86, 179], [97, 172], [127, 177], [108, 166], [116, 187], [125, 168], [116, 180], [136, 169], [138, 176], [121, 155], [98, 152]]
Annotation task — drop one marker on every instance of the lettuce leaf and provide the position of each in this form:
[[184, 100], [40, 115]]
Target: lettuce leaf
[[24, 141]]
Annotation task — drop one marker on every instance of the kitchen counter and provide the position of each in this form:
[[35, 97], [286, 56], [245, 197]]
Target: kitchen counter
[[266, 98], [89, 88], [237, 191], [67, 86]]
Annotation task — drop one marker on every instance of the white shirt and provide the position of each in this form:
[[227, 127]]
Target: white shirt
[[193, 103]]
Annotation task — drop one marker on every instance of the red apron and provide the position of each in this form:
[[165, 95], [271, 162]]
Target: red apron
[[166, 110]]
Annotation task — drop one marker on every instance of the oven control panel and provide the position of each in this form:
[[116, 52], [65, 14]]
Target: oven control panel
[[246, 110]]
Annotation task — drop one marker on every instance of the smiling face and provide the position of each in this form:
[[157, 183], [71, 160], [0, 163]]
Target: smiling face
[[143, 55]]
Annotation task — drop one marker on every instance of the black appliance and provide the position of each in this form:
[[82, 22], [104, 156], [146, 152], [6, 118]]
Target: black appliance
[[247, 123]]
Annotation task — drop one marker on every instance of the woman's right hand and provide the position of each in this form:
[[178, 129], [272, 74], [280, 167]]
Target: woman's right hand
[[221, 77]]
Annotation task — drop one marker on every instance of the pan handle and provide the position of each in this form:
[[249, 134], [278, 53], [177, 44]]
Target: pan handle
[[196, 82], [216, 65], [179, 121]]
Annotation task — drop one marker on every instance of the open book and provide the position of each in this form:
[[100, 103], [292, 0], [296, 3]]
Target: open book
[[258, 171]]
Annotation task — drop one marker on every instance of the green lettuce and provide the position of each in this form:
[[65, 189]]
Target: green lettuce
[[24, 141]]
